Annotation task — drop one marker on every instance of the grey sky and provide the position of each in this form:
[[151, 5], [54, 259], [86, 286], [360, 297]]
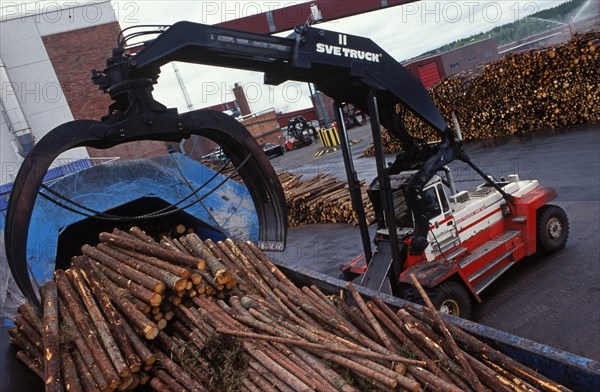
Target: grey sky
[[403, 31]]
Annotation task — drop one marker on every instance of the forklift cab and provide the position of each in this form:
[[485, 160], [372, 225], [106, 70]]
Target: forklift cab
[[443, 234], [442, 230]]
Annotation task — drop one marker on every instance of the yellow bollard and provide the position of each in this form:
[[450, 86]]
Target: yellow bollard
[[329, 137]]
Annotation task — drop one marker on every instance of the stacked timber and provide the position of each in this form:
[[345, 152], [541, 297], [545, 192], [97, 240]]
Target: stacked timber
[[542, 89], [266, 334], [99, 315], [391, 145], [322, 199]]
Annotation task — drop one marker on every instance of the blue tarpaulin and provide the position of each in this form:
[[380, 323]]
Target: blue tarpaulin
[[229, 209]]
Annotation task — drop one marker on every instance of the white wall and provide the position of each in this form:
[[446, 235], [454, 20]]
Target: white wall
[[31, 76]]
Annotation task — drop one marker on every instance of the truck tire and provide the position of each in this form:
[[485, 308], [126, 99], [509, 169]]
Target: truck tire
[[452, 298], [552, 229]]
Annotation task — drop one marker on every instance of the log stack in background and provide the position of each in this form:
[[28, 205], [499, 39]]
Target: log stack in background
[[526, 92], [265, 334], [322, 199]]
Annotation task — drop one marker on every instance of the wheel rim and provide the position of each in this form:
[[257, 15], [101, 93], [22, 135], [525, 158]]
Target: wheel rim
[[450, 306], [554, 228]]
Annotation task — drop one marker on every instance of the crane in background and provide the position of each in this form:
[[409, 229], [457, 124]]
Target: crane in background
[[186, 96], [190, 107]]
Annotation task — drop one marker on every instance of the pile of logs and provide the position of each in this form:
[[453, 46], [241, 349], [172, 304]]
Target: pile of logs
[[391, 145], [266, 334], [99, 315], [526, 92], [321, 199]]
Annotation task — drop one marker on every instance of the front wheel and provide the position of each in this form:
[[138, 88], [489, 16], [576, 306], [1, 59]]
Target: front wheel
[[552, 229], [452, 298]]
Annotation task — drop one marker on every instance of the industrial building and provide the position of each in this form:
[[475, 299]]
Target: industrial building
[[431, 69], [39, 92]]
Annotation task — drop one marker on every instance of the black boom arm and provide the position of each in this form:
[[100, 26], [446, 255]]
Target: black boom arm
[[344, 67]]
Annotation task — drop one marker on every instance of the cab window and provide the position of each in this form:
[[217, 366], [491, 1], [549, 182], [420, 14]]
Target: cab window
[[442, 194], [433, 207]]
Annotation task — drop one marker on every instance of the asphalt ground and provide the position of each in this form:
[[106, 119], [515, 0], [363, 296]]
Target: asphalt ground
[[553, 299]]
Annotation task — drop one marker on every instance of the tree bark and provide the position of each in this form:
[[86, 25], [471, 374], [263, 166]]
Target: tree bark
[[50, 337], [172, 281], [86, 328], [71, 377], [152, 250], [216, 268], [114, 319], [32, 364], [456, 352], [131, 273], [104, 330]]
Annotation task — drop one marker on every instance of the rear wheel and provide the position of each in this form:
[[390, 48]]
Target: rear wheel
[[552, 229], [452, 298]]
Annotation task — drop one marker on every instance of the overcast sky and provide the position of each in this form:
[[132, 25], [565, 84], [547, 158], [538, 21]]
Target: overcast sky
[[403, 31]]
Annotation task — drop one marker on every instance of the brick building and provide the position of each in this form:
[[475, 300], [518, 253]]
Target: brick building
[[73, 55]]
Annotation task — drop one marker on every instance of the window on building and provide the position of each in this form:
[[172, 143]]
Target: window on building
[[472, 59], [454, 64]]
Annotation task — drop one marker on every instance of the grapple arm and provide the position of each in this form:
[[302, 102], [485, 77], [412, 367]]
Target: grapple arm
[[257, 173], [343, 66]]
